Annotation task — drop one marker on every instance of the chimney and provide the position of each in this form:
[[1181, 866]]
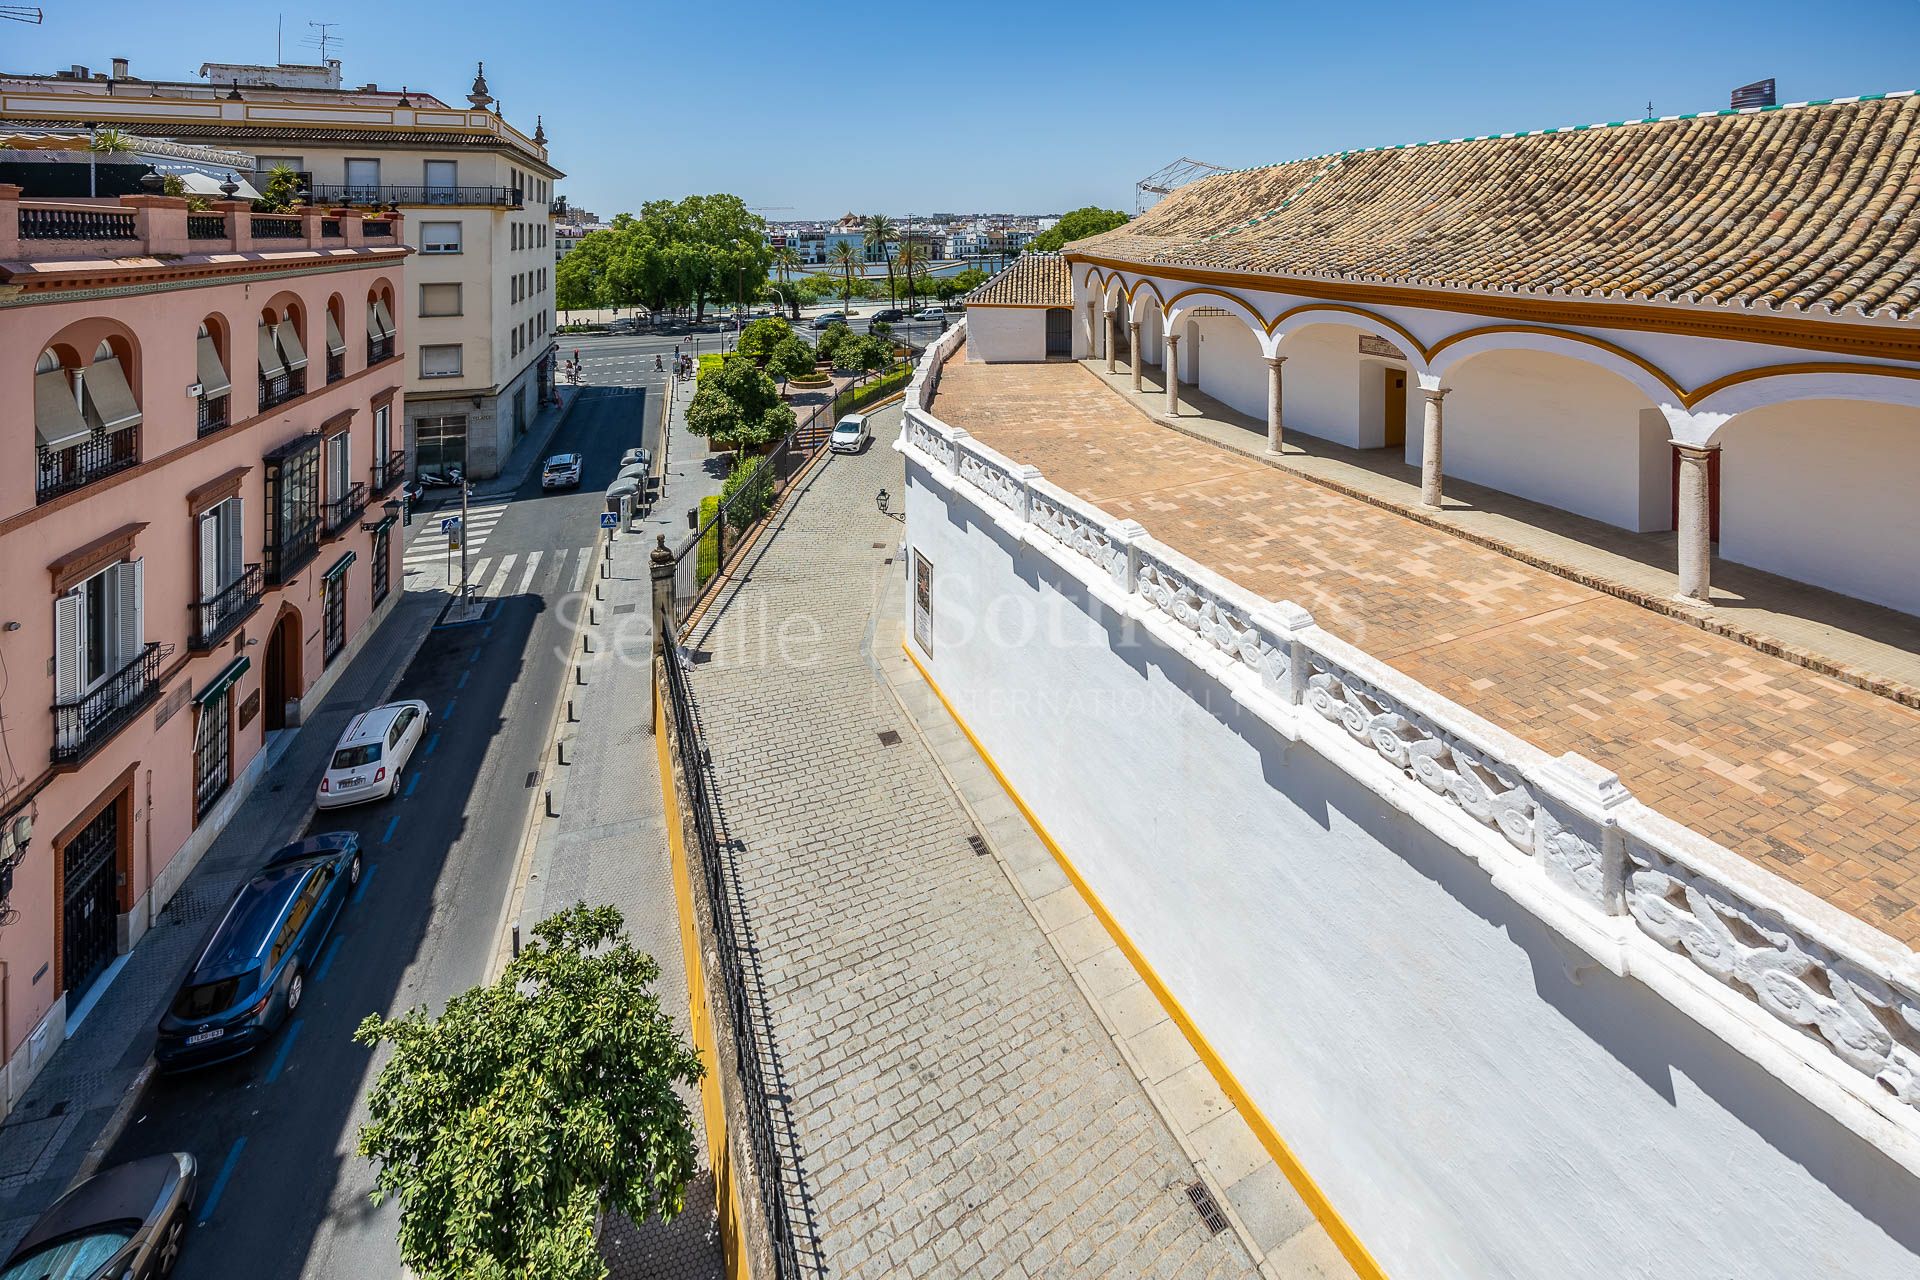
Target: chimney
[[1758, 94], [119, 68]]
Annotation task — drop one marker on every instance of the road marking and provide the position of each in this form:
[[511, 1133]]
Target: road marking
[[506, 571], [533, 566], [580, 578], [432, 742], [412, 782], [220, 1180], [286, 1047], [366, 878], [463, 676], [394, 823], [474, 656], [326, 961], [451, 704]]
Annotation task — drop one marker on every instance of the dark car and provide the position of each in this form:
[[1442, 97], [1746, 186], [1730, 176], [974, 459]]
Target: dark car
[[253, 971], [887, 315], [127, 1221]]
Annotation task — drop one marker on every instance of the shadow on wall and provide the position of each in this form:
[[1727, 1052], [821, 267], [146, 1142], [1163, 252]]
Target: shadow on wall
[[1667, 1051]]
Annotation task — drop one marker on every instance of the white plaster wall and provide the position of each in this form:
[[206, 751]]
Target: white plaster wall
[[1411, 1033], [1320, 383], [1231, 367], [1824, 491], [1558, 431], [1004, 335]]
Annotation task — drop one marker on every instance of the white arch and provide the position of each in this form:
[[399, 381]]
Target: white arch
[[1642, 379], [1195, 299], [1145, 291], [1712, 414], [1309, 316]]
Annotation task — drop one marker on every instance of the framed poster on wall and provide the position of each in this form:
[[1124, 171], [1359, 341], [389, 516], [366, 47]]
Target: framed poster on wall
[[923, 603]]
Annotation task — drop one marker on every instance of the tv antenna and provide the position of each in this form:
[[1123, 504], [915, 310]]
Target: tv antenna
[[1162, 181], [322, 38], [21, 13]]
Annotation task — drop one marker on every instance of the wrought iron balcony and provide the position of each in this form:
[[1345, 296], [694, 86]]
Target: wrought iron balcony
[[277, 226], [330, 228], [215, 617], [213, 414], [389, 471], [380, 196], [206, 226], [82, 725], [289, 552], [44, 223], [336, 366], [376, 230], [98, 456], [379, 349], [345, 509], [282, 387]]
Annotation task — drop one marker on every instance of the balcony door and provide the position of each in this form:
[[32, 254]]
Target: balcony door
[[363, 181], [442, 179]]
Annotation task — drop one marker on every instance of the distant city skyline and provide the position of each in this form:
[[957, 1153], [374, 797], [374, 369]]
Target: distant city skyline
[[805, 124]]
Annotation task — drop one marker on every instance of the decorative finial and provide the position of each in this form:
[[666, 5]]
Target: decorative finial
[[152, 183], [539, 131], [480, 96], [235, 95], [405, 101], [231, 186]]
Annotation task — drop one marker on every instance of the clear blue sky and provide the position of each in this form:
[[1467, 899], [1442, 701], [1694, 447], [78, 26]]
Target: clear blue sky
[[1019, 107]]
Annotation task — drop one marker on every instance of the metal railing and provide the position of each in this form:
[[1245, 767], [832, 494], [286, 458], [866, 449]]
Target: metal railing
[[345, 509], [389, 471], [376, 230], [213, 414], [98, 456], [215, 617], [206, 226], [82, 725], [749, 1054], [336, 365], [277, 226], [380, 195], [379, 349], [77, 224], [282, 387], [290, 551], [330, 227]]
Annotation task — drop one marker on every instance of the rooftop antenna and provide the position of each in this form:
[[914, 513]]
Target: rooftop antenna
[[1163, 180], [1649, 108], [21, 13], [321, 38]]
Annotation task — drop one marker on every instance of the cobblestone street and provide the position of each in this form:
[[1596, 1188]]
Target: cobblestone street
[[956, 1105]]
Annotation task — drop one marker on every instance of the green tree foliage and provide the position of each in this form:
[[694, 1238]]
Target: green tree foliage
[[879, 232], [1078, 225], [862, 354], [683, 253], [580, 279], [792, 358], [845, 259], [738, 407], [758, 339], [831, 338], [278, 195], [748, 491], [504, 1124]]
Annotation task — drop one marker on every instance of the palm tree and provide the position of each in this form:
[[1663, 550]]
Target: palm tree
[[911, 256], [785, 261], [880, 233], [104, 142], [843, 256]]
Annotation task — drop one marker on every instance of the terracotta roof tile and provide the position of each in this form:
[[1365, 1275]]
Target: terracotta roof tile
[[1034, 280], [1809, 206]]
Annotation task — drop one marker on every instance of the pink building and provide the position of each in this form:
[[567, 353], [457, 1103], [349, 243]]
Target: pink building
[[187, 554]]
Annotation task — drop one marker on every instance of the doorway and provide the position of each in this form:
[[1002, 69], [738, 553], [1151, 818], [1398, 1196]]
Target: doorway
[[90, 901], [1394, 407], [1059, 333], [280, 681]]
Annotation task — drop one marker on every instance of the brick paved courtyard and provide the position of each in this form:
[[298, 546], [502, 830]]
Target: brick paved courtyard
[[957, 1107], [1809, 777]]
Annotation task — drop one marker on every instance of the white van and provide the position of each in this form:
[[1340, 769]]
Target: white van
[[850, 434], [372, 754]]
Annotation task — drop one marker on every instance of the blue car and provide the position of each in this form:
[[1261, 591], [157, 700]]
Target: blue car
[[253, 971]]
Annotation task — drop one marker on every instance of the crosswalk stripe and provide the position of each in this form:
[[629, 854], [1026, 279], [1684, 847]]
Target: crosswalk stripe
[[506, 571], [533, 565], [580, 575]]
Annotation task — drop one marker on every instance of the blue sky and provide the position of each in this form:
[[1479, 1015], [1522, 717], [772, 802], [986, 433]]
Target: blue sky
[[1021, 107]]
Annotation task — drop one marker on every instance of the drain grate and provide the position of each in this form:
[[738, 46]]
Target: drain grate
[[1207, 1207], [889, 737], [976, 844], [624, 608], [879, 546], [533, 776]]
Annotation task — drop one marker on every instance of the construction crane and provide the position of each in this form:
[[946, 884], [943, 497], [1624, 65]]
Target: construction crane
[[1165, 179], [21, 13]]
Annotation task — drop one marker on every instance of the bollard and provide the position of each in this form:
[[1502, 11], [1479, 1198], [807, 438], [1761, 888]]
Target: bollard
[[549, 803], [599, 592], [516, 940], [560, 752], [579, 675], [586, 644], [603, 568], [593, 616], [570, 715]]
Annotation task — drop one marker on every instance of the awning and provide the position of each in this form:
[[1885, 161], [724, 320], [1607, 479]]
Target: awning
[[384, 525], [56, 416], [106, 387], [382, 320], [213, 375], [224, 681], [290, 345], [199, 183], [336, 345], [339, 566], [270, 364]]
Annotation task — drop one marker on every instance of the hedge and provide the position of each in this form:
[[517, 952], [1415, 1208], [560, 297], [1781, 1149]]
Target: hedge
[[879, 388], [707, 559]]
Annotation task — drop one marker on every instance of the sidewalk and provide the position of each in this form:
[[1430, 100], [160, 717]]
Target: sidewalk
[[79, 1096], [955, 1103], [532, 448]]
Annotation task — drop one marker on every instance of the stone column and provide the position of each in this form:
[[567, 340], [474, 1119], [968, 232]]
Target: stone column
[[1430, 449], [1695, 524], [1133, 335], [10, 224], [1273, 403], [1113, 338], [1171, 364], [1093, 331]]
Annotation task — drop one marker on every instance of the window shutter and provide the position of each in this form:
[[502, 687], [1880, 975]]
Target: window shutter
[[235, 535], [130, 628], [70, 659], [210, 579]]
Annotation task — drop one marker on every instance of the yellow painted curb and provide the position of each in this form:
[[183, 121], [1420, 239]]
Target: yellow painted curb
[[1342, 1235]]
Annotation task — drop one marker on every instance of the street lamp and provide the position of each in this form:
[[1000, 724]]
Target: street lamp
[[880, 500]]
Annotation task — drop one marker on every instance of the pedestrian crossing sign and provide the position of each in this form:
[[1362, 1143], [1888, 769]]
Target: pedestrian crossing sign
[[609, 520], [450, 524]]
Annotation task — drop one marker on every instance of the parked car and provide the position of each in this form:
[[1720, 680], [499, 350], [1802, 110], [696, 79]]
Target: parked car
[[253, 971], [636, 457], [561, 472], [936, 314], [850, 434], [887, 315], [127, 1221], [826, 318], [372, 754], [623, 326]]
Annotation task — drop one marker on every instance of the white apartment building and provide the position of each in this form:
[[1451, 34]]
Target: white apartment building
[[476, 192]]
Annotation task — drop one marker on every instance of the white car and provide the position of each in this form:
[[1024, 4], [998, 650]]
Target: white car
[[561, 472], [937, 314], [850, 434], [372, 754]]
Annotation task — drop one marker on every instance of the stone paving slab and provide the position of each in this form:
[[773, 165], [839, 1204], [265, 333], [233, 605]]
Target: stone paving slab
[[956, 1106], [1809, 777]]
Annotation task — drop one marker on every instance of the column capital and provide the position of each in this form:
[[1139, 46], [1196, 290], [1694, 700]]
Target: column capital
[[1435, 394], [1689, 449], [1132, 323], [1274, 362], [1172, 339]]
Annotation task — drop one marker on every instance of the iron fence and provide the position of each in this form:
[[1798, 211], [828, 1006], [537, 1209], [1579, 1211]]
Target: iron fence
[[101, 454], [345, 509], [271, 226], [749, 1052], [206, 226], [282, 387], [382, 194], [379, 349], [82, 724], [213, 414], [77, 224], [215, 617]]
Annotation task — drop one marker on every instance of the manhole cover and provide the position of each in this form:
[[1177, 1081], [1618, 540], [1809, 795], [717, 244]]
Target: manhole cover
[[624, 608], [889, 737], [22, 1145]]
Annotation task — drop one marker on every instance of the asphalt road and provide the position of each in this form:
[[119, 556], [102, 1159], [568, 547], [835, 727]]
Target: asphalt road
[[282, 1192]]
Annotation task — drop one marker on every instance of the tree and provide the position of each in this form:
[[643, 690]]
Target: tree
[[791, 359], [737, 407], [880, 233], [785, 262], [758, 340], [1078, 225], [283, 184], [504, 1125], [748, 492], [862, 354], [843, 256], [581, 279], [911, 256], [831, 338]]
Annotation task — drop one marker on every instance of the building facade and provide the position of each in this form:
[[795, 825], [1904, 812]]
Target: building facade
[[188, 555], [478, 195]]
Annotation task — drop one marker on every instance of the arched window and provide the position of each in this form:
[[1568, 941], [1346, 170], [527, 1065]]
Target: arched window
[[380, 330], [210, 364], [336, 341], [86, 416], [283, 357]]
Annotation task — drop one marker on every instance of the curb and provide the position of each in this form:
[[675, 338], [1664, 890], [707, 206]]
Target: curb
[[501, 485]]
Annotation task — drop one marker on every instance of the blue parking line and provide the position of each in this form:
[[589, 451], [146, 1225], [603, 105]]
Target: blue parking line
[[463, 678], [475, 655], [220, 1181], [432, 742], [366, 878], [392, 826], [286, 1047], [326, 961], [451, 704], [488, 631], [412, 782]]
